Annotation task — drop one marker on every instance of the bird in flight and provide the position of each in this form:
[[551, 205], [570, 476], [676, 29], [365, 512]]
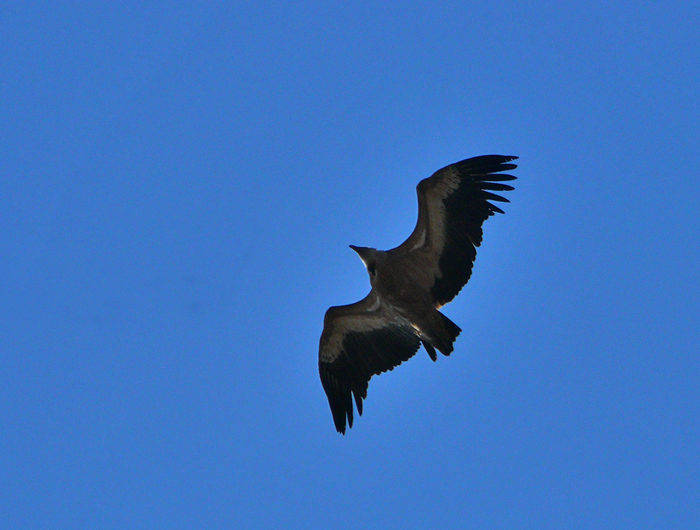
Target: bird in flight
[[410, 283]]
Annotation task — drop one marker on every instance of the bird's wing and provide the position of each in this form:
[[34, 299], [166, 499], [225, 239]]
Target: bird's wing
[[452, 206], [358, 341]]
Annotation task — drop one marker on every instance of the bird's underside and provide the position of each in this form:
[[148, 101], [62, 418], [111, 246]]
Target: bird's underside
[[410, 283]]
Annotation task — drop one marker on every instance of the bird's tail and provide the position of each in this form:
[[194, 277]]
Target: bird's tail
[[452, 331], [443, 338]]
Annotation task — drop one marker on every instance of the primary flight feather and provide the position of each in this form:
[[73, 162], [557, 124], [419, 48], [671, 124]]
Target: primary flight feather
[[410, 283]]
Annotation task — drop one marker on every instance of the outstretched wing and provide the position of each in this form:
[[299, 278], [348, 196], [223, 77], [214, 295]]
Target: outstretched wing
[[452, 206], [358, 341]]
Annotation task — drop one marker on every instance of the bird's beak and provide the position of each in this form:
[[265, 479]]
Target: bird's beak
[[362, 252]]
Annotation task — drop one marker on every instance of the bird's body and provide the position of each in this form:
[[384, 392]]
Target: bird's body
[[410, 283]]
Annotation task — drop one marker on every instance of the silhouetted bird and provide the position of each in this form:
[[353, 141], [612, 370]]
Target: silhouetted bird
[[410, 283]]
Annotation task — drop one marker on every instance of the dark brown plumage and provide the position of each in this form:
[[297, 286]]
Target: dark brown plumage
[[410, 283]]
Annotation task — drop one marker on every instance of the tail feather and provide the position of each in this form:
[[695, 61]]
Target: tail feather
[[441, 336], [445, 337]]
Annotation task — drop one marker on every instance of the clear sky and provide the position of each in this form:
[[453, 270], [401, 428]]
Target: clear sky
[[179, 183]]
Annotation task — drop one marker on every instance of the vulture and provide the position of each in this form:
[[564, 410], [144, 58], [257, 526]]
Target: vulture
[[410, 283]]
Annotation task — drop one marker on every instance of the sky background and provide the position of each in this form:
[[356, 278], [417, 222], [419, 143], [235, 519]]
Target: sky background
[[179, 183]]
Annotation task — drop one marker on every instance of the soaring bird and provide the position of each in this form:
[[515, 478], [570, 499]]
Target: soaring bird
[[410, 283]]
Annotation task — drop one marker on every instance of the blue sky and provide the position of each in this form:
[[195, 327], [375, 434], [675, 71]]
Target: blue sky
[[178, 186]]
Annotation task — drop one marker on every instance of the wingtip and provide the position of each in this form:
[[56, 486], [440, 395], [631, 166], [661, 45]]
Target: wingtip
[[504, 165], [340, 425]]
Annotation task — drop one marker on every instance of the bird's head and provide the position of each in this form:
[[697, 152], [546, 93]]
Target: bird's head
[[368, 256]]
